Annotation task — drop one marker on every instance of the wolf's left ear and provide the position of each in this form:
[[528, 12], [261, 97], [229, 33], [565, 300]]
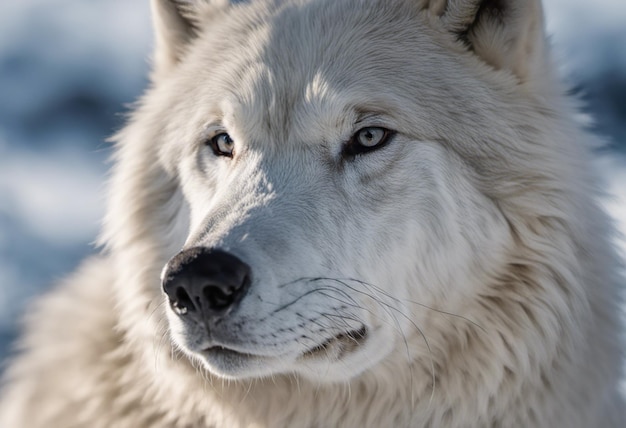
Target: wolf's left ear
[[507, 34]]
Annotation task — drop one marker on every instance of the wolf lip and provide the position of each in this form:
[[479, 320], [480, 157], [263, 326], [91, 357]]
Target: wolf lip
[[340, 344], [217, 349]]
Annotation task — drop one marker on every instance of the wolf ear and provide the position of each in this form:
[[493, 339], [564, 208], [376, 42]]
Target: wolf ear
[[173, 28], [175, 25], [507, 34]]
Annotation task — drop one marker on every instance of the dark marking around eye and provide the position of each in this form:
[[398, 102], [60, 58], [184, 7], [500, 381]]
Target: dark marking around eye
[[366, 140], [222, 145]]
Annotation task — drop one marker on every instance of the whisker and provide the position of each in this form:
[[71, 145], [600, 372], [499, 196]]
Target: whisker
[[419, 330], [388, 308], [381, 291], [308, 293]]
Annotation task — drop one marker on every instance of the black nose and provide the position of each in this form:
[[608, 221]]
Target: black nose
[[205, 283]]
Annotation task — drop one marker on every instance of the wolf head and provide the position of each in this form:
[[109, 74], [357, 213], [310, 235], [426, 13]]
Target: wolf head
[[336, 181]]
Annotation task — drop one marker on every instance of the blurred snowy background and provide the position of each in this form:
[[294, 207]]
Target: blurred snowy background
[[68, 67]]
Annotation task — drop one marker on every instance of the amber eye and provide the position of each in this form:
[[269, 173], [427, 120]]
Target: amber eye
[[366, 140], [222, 145]]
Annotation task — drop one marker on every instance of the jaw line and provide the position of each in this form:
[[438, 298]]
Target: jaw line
[[234, 365], [237, 364]]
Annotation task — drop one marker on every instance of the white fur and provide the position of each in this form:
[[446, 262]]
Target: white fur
[[471, 247]]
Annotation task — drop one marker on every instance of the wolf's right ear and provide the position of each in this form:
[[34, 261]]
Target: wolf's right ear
[[175, 25], [173, 28]]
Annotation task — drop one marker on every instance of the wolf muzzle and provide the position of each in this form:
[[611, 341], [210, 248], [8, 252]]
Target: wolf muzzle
[[205, 284]]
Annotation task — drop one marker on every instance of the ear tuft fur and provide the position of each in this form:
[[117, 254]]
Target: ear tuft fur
[[507, 34], [173, 29]]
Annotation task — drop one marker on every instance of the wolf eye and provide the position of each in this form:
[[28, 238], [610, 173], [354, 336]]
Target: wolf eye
[[366, 140], [370, 137], [222, 145]]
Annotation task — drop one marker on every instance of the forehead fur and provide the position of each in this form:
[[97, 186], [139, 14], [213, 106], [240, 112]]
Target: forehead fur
[[285, 73], [276, 70]]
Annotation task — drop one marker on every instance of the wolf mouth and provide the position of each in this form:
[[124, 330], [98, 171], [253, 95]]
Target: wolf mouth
[[339, 345], [228, 351]]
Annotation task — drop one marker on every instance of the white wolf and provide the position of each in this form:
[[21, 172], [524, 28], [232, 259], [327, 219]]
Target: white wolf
[[377, 213]]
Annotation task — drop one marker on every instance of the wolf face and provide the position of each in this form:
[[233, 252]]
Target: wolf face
[[343, 171], [325, 161]]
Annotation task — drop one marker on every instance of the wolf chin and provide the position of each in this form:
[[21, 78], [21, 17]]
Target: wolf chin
[[322, 213]]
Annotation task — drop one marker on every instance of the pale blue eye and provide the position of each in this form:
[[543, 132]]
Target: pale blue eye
[[366, 140], [371, 137]]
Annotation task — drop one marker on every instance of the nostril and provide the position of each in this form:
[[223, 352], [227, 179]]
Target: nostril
[[182, 303], [218, 298]]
